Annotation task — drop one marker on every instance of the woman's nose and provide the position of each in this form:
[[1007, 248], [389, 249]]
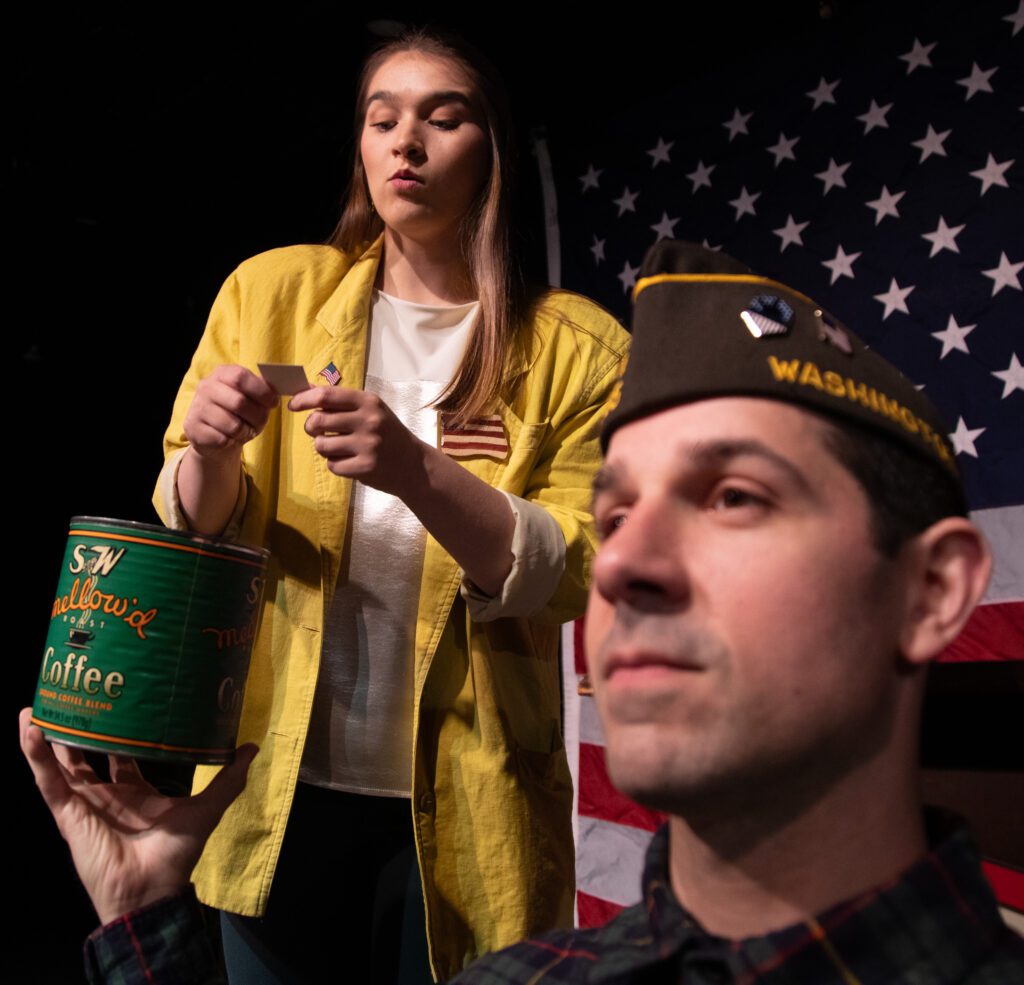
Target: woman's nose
[[408, 145]]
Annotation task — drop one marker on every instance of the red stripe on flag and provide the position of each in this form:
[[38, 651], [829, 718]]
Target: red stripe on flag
[[594, 911], [579, 654], [994, 632], [457, 444], [1007, 884], [599, 799], [486, 431]]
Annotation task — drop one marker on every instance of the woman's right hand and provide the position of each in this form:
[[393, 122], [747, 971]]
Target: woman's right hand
[[230, 407]]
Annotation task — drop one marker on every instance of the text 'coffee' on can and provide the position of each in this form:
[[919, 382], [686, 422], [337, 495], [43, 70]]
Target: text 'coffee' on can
[[150, 636]]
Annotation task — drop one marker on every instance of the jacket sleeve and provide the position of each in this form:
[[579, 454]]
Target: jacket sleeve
[[538, 561], [561, 483], [219, 345]]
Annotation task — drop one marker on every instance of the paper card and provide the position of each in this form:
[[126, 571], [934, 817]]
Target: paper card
[[285, 378]]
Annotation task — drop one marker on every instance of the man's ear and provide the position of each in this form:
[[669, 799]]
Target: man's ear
[[949, 566]]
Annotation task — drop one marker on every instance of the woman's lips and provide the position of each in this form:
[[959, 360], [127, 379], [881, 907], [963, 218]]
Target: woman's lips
[[405, 180]]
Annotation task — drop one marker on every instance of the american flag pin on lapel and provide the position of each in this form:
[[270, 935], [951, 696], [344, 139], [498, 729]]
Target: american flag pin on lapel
[[331, 374]]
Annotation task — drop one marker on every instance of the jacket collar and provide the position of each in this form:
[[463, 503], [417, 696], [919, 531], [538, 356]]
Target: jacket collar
[[347, 310]]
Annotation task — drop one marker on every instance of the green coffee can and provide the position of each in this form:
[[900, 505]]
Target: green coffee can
[[150, 636]]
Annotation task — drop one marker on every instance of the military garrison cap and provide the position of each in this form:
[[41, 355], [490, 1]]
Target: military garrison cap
[[705, 326]]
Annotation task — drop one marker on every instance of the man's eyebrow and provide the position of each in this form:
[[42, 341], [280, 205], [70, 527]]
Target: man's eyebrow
[[437, 98], [711, 453], [605, 480]]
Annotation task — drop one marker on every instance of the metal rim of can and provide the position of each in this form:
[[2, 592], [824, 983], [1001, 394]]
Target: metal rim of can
[[241, 552]]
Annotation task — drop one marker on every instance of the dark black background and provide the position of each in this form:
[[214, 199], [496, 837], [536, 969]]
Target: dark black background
[[154, 148]]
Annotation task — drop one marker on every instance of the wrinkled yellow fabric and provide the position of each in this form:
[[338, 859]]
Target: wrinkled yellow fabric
[[491, 789]]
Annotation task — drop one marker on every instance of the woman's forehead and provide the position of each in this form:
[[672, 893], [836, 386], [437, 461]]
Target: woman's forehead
[[415, 72]]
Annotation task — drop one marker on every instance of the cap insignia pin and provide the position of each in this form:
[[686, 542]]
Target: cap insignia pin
[[766, 315], [832, 334]]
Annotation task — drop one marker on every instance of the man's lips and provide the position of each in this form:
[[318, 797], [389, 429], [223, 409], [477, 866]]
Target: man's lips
[[635, 664]]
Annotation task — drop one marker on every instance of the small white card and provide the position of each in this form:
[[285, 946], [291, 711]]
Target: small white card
[[285, 378]]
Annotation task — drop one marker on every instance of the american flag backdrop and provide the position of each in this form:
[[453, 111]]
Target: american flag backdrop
[[882, 174]]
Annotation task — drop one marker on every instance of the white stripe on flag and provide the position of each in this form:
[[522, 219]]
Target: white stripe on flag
[[610, 860], [571, 715], [1004, 528], [1014, 919], [590, 723]]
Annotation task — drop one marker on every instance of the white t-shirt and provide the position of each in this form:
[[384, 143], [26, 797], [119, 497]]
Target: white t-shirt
[[360, 733]]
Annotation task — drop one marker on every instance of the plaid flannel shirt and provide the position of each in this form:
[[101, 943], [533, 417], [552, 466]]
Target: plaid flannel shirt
[[936, 924]]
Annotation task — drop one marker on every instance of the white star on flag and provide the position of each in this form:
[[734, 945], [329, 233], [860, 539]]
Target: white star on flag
[[1012, 376], [589, 179], [782, 150], [626, 201], [841, 265], [977, 81], [931, 143], [953, 336], [993, 173], [963, 438], [1006, 274], [1016, 18], [790, 233], [944, 237], [665, 229], [823, 93], [628, 276], [894, 299], [701, 175], [744, 204], [875, 117], [738, 123], [598, 249], [885, 204], [660, 151], [917, 57], [832, 176]]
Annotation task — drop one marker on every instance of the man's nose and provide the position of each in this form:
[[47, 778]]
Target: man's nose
[[642, 562]]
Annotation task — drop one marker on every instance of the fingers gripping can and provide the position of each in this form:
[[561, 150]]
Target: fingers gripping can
[[150, 635]]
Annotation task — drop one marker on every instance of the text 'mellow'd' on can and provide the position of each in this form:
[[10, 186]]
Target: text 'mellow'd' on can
[[150, 635]]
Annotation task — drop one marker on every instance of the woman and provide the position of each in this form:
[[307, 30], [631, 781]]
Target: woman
[[406, 665]]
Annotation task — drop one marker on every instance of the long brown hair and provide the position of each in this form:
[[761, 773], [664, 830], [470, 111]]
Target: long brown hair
[[484, 233]]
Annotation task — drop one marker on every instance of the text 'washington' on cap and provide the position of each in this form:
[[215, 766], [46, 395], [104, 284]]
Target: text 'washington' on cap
[[705, 326]]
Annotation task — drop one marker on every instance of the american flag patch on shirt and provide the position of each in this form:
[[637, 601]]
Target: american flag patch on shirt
[[331, 373], [479, 436]]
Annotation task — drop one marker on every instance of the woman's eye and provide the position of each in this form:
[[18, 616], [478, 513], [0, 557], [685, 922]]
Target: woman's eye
[[445, 124], [381, 126]]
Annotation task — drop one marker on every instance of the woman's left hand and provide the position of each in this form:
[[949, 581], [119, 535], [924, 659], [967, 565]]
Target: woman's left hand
[[361, 438]]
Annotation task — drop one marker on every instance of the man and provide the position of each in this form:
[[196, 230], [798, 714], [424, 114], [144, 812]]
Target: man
[[785, 549]]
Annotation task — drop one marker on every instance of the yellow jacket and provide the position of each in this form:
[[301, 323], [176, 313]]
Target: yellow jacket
[[492, 795]]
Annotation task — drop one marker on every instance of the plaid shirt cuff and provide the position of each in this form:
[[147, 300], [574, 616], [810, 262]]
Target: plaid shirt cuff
[[164, 942]]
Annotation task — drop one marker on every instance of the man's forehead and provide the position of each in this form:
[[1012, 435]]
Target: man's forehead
[[708, 431]]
